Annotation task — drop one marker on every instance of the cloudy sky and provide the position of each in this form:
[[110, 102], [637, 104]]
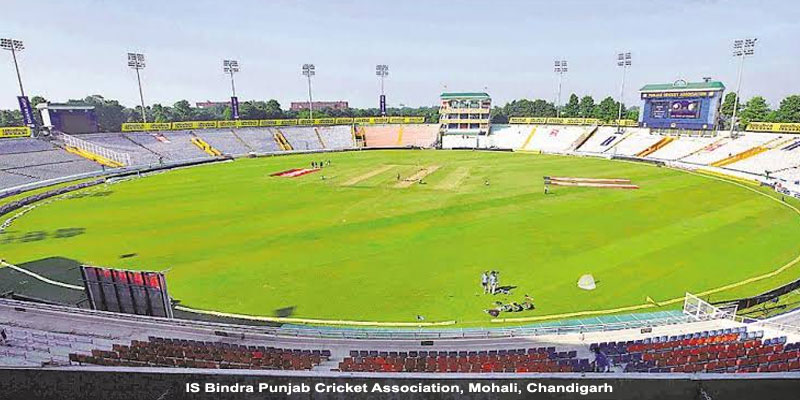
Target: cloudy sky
[[78, 47]]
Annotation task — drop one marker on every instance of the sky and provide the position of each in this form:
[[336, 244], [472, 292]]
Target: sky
[[76, 48]]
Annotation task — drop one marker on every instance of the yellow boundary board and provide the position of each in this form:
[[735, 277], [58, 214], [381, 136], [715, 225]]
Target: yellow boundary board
[[571, 121], [773, 127], [15, 131], [166, 126]]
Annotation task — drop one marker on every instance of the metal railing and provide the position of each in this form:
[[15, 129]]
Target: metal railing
[[122, 158]]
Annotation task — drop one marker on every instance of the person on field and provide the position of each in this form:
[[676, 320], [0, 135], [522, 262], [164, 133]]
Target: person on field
[[485, 281], [493, 282]]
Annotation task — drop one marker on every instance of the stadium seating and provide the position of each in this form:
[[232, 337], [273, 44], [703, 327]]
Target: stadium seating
[[170, 146], [419, 135], [224, 140], [337, 137], [555, 138], [508, 136], [23, 145], [302, 138], [463, 141], [634, 141], [682, 147], [258, 139], [29, 160], [382, 135], [602, 140], [727, 147], [140, 155], [724, 350], [776, 159], [183, 353], [34, 348], [542, 359]]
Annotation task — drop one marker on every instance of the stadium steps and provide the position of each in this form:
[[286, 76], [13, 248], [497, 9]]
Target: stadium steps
[[652, 149], [400, 136], [590, 131], [711, 147], [281, 140], [242, 141], [358, 136], [528, 139], [319, 137], [203, 145], [93, 157]]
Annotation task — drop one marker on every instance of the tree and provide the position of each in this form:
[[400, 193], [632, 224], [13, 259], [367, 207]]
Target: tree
[[109, 113], [182, 111], [632, 114], [542, 108], [499, 115], [726, 110], [586, 107], [273, 109], [572, 108], [161, 113], [789, 109], [607, 110], [10, 118], [755, 110]]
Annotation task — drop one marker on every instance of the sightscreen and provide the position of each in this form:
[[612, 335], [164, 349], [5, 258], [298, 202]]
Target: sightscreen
[[130, 292]]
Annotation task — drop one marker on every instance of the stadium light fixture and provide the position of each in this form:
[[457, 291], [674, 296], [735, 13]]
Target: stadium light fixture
[[308, 71], [136, 61], [382, 71], [741, 48], [623, 61], [14, 46], [231, 67], [560, 69]]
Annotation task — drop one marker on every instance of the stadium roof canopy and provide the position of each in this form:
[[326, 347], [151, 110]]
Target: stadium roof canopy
[[461, 95], [65, 106], [683, 85]]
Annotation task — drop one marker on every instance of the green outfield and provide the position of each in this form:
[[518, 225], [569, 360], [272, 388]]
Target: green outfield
[[361, 245]]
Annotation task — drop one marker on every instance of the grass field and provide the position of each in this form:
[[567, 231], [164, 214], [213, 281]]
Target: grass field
[[358, 245]]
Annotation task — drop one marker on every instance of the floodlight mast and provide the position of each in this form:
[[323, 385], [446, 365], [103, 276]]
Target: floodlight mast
[[14, 46], [136, 61], [231, 67], [382, 71], [741, 48], [624, 61], [560, 69], [308, 72]]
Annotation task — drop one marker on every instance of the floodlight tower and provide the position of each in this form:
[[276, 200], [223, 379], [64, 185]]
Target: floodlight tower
[[136, 61], [382, 71], [560, 69], [308, 72], [623, 61], [741, 48], [231, 67], [14, 46]]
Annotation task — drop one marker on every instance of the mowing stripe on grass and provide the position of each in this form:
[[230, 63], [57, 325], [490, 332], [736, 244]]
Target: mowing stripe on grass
[[421, 174], [368, 175]]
